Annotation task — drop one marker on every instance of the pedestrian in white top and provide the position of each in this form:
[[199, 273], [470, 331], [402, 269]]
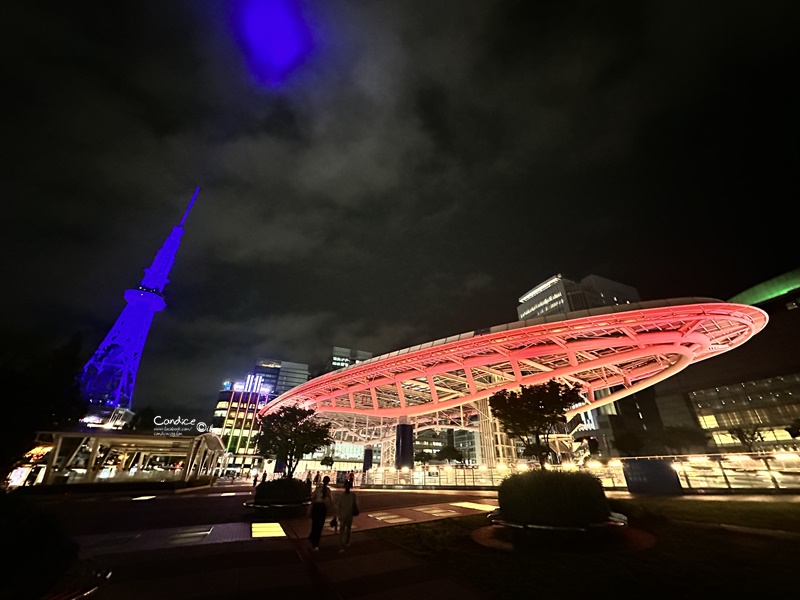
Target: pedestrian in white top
[[348, 508]]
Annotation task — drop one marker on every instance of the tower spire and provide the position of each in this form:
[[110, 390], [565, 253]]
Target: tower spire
[[109, 377], [156, 276]]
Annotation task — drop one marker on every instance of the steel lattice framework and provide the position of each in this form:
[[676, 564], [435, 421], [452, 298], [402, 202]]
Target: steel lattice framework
[[109, 377], [608, 353]]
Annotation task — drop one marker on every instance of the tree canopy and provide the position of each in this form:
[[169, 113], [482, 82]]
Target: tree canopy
[[290, 433], [52, 398], [749, 437], [143, 419], [533, 413], [448, 453], [422, 457]]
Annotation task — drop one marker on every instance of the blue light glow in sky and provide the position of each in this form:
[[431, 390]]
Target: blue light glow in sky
[[274, 36]]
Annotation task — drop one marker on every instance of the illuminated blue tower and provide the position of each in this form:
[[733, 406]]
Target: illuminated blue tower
[[108, 379]]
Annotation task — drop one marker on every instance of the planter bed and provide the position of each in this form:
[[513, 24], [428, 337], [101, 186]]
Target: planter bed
[[279, 510], [530, 535]]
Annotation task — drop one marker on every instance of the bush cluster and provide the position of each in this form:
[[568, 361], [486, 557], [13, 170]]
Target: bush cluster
[[553, 498], [281, 491]]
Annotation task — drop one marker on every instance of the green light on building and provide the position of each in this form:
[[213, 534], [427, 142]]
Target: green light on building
[[780, 285]]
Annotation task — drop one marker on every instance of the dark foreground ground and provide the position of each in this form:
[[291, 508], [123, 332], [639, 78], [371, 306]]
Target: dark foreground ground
[[673, 547]]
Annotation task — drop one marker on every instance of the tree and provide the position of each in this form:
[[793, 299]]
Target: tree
[[56, 402], [448, 453], [747, 436], [629, 443], [422, 457], [534, 413], [680, 439], [290, 433], [327, 461], [143, 419], [794, 429]]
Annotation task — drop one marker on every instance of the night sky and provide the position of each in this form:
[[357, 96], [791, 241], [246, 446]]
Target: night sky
[[379, 174]]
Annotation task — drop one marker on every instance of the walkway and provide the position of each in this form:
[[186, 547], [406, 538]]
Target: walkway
[[247, 560]]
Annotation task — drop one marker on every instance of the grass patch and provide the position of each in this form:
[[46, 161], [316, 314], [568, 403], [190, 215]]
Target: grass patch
[[780, 515], [679, 560]]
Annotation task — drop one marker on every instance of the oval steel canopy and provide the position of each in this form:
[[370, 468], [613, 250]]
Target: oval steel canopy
[[609, 353]]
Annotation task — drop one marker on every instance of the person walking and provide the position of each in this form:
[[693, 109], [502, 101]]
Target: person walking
[[321, 503], [348, 508]]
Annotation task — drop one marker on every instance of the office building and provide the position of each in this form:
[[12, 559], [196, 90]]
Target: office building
[[280, 376], [344, 357], [238, 403], [558, 295]]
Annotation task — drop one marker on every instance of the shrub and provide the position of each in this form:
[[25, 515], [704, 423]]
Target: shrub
[[553, 498], [281, 491]]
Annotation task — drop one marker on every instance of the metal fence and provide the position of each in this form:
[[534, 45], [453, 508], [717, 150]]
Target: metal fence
[[710, 472]]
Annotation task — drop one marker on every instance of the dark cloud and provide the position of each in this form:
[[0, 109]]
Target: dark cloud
[[425, 166]]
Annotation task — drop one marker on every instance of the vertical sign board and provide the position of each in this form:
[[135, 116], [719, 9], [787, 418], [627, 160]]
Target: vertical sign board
[[651, 477], [367, 458], [404, 446]]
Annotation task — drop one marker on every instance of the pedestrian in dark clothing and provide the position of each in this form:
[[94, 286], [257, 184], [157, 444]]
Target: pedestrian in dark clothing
[[321, 503]]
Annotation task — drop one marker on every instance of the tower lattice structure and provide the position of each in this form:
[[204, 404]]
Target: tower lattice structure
[[109, 377]]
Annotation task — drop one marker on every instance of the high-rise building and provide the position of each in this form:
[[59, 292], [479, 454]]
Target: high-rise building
[[344, 357], [235, 422], [559, 295], [280, 376], [238, 403], [109, 377]]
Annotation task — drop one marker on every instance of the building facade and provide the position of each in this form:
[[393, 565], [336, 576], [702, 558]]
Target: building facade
[[756, 388], [280, 376], [235, 418], [344, 357], [559, 295]]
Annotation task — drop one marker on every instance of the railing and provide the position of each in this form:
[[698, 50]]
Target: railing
[[709, 472], [116, 476]]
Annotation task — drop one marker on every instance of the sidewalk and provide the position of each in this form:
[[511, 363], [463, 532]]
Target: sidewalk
[[370, 569], [231, 561]]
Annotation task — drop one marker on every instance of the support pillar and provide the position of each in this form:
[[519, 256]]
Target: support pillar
[[91, 467], [404, 446], [367, 465]]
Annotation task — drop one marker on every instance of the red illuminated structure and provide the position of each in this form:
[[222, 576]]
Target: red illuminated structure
[[608, 353]]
